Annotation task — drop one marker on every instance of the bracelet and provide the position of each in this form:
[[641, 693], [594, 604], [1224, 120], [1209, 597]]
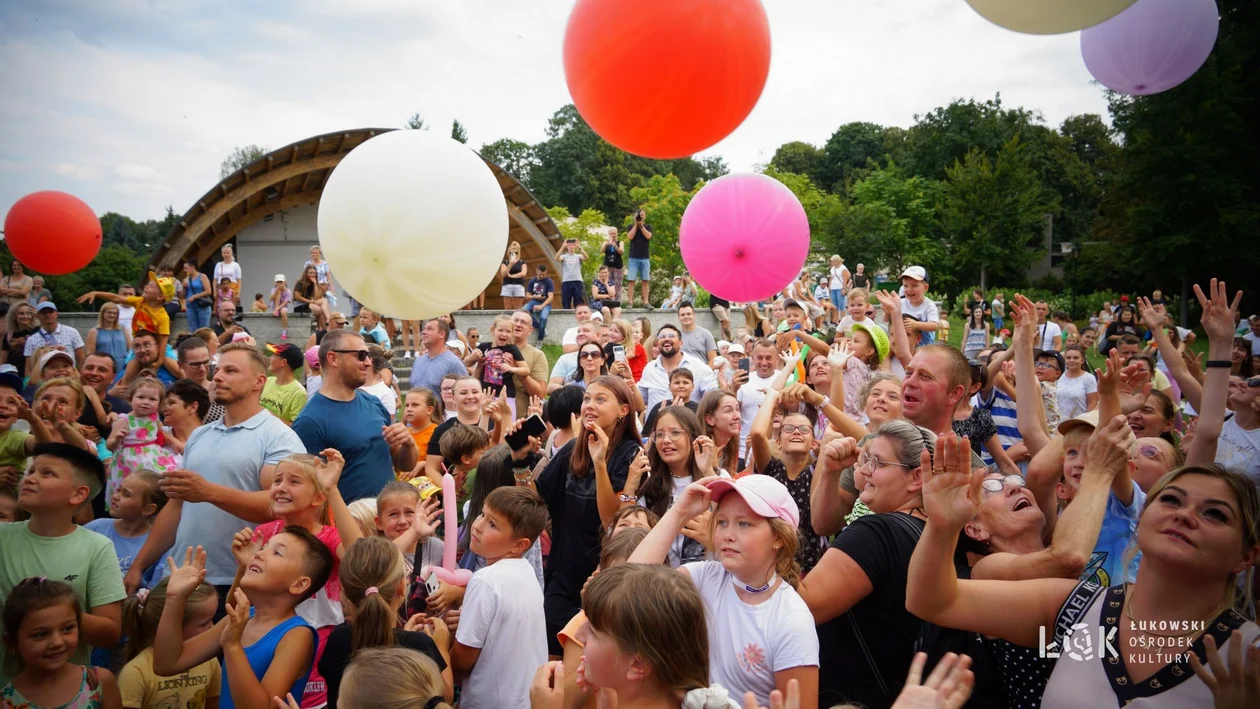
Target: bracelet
[[629, 499], [825, 402], [1218, 364]]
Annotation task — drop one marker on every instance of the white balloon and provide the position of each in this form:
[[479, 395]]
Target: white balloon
[[413, 224], [1048, 16]]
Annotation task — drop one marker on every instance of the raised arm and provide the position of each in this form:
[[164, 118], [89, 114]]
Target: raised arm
[[829, 502], [1031, 414], [654, 549], [172, 655], [1191, 389], [891, 305], [1218, 323]]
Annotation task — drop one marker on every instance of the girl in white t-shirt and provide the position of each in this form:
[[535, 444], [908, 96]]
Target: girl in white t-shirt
[[1077, 389], [761, 633]]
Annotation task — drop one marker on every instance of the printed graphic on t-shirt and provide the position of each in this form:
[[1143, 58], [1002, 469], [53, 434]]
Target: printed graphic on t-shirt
[[752, 658], [493, 368]]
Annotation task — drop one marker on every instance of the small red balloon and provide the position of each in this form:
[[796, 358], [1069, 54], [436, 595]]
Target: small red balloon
[[52, 232], [666, 78]]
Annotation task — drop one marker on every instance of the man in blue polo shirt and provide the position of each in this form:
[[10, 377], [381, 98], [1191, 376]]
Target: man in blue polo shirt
[[344, 417]]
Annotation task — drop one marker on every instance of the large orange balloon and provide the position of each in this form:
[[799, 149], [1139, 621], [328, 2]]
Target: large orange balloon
[[52, 232], [666, 78]]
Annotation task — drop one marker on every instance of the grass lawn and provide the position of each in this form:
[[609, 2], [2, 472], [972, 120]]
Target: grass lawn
[[553, 353]]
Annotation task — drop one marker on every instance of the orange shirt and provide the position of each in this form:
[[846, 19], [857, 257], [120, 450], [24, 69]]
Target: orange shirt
[[151, 318]]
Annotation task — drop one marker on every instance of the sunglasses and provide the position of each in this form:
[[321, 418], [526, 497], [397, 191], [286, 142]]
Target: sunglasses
[[1253, 383], [590, 354], [994, 485], [361, 355]]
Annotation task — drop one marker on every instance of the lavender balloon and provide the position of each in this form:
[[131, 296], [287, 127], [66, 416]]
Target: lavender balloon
[[1152, 46]]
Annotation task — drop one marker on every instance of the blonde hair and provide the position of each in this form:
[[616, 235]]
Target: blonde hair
[[308, 465], [72, 384], [860, 291], [363, 511], [514, 246], [100, 317], [785, 564], [391, 678], [145, 381], [372, 563], [624, 328], [437, 413]]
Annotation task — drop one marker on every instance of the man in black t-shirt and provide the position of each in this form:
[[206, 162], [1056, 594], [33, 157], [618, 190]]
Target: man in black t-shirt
[[613, 250], [640, 266]]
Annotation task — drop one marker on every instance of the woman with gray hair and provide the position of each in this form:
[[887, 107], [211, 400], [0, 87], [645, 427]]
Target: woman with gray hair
[[857, 592]]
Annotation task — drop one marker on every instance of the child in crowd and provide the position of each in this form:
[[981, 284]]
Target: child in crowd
[[392, 678], [410, 523], [422, 412], [363, 510], [371, 329], [749, 592], [62, 479], [16, 446], [43, 623], [137, 438], [267, 648], [171, 289], [499, 359], [462, 447], [918, 312], [314, 375], [859, 358], [281, 296], [675, 295], [304, 494], [140, 686], [133, 505], [226, 294], [494, 470], [615, 550], [259, 305], [9, 510], [650, 619], [150, 316], [681, 385], [373, 588], [501, 639]]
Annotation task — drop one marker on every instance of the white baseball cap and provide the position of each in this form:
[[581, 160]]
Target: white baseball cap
[[918, 273], [279, 277]]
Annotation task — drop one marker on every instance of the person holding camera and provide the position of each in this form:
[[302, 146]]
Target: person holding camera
[[613, 252], [572, 285], [640, 265]]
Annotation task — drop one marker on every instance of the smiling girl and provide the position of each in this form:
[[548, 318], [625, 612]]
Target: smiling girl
[[137, 438]]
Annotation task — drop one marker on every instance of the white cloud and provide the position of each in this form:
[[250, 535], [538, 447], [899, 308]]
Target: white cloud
[[166, 90]]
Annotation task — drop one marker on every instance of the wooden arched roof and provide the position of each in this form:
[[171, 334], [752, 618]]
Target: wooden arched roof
[[295, 175]]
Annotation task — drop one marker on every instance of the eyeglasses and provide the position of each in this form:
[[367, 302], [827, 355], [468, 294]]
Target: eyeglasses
[[1048, 365], [361, 355], [800, 428], [591, 354], [198, 365], [671, 436], [993, 485], [873, 461]]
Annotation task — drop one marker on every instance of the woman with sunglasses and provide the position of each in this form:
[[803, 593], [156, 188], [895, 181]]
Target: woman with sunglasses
[[591, 365], [857, 590], [1197, 534]]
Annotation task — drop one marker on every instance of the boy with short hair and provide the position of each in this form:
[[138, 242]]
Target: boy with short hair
[[681, 385], [856, 306], [16, 446], [501, 640], [918, 312], [62, 478], [462, 446], [268, 650]]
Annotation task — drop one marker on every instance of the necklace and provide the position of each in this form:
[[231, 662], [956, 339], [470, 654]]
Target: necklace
[[760, 589], [1195, 626]]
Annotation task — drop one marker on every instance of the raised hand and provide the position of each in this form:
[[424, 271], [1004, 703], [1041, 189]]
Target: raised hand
[[328, 469], [1151, 317], [777, 700], [1108, 448], [951, 491], [1218, 311], [287, 703], [535, 406], [1236, 685], [1109, 374], [703, 449], [1024, 313], [428, 512], [840, 354], [800, 393], [694, 501], [948, 687], [245, 544], [87, 298], [237, 609], [596, 441], [838, 454], [640, 467], [185, 579], [890, 303]]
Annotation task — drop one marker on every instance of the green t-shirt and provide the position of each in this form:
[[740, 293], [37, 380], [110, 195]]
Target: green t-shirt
[[83, 559], [13, 448], [284, 400]]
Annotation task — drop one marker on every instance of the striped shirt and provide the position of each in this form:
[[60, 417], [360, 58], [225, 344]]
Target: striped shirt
[[1002, 408]]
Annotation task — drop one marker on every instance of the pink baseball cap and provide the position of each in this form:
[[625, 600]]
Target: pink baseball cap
[[312, 357], [765, 495]]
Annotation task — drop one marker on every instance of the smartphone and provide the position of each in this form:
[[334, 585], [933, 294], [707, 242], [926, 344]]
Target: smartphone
[[745, 364], [619, 353], [533, 426], [431, 584]]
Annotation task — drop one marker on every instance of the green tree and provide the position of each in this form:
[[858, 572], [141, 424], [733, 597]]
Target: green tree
[[848, 151], [945, 135], [822, 208], [416, 123], [799, 158], [114, 264], [458, 132], [993, 215], [240, 157], [516, 157], [663, 200], [891, 222]]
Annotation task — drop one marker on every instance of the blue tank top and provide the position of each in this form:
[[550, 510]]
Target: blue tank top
[[114, 344], [260, 654], [194, 287]]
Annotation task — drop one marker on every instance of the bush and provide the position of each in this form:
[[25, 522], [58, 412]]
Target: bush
[[1087, 304]]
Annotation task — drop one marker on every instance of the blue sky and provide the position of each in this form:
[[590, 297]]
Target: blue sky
[[133, 104]]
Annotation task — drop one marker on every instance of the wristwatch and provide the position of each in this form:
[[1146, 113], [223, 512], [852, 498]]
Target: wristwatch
[[629, 499]]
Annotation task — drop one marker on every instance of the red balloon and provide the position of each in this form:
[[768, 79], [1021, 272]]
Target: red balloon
[[52, 232], [666, 78]]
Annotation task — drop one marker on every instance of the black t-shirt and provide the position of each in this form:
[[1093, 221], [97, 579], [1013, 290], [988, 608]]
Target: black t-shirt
[[435, 440], [638, 242], [649, 423], [515, 274], [715, 301], [979, 427], [575, 525], [980, 305], [810, 549], [332, 664], [612, 257], [219, 329], [881, 545], [861, 280], [492, 365], [539, 288]]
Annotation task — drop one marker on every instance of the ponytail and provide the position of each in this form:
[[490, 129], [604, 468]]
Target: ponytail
[[142, 611], [371, 573]]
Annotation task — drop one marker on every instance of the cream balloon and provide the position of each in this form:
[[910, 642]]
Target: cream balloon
[[413, 223], [1048, 16]]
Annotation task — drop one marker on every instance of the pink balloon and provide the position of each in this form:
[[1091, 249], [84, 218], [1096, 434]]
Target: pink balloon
[[450, 528], [458, 577], [1152, 46], [744, 237]]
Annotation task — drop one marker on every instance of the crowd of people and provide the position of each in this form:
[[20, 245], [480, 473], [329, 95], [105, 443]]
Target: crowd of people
[[830, 505]]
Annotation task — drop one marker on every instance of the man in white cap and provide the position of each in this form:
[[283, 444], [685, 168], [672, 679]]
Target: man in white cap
[[919, 313], [52, 332]]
